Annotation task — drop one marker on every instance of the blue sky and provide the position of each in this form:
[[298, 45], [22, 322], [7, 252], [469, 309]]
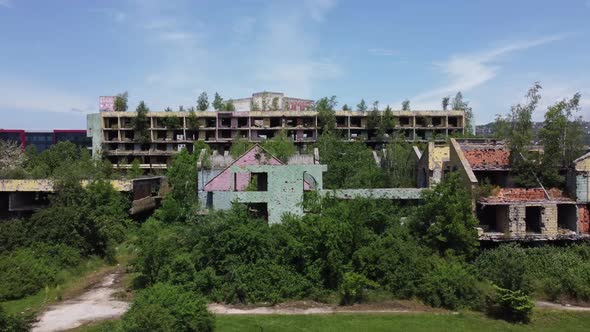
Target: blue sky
[[58, 56]]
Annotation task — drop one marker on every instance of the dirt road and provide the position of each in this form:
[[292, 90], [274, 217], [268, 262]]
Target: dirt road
[[97, 303]]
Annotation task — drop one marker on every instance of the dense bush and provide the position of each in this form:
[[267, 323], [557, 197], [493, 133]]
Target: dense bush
[[511, 305], [25, 271], [164, 307], [15, 323], [352, 288], [550, 271]]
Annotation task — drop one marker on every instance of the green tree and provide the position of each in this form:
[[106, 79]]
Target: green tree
[[458, 104], [203, 102], [446, 222], [345, 107], [12, 159], [192, 120], [524, 163], [405, 105], [388, 120], [445, 103], [218, 103], [362, 106], [326, 113], [280, 146], [141, 124], [562, 139], [171, 121], [181, 203], [121, 102], [135, 171], [351, 164], [501, 127], [398, 166], [239, 147], [229, 106]]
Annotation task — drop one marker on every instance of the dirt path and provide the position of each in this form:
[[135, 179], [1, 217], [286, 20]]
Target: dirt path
[[314, 308], [551, 305], [97, 303]]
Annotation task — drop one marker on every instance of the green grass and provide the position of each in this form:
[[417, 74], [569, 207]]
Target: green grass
[[543, 320]]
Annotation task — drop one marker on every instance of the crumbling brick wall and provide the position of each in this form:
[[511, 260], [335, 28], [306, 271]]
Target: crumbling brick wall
[[583, 219]]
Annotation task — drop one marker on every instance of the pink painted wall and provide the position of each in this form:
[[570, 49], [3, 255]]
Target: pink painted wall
[[222, 182]]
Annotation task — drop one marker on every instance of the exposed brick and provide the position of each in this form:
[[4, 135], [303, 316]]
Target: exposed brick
[[583, 219], [488, 158]]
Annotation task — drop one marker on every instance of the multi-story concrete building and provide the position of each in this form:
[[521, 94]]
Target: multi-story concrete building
[[113, 134]]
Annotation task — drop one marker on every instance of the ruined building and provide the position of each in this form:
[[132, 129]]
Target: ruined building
[[113, 134], [505, 211]]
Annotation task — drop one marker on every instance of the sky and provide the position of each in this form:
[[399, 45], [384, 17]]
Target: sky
[[57, 57]]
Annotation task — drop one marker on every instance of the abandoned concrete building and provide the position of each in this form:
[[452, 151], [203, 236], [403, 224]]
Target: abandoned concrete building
[[507, 212], [432, 164], [113, 134], [22, 197]]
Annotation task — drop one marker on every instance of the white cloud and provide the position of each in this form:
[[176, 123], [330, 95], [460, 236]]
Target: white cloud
[[318, 8], [22, 95], [6, 3], [383, 52], [467, 71]]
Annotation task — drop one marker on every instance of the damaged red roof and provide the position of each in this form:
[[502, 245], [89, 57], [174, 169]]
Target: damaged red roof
[[522, 195], [481, 159]]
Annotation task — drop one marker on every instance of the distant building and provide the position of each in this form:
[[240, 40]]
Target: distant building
[[113, 134], [43, 140]]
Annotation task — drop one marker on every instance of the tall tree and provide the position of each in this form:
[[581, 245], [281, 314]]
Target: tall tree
[[326, 114], [345, 107], [501, 127], [521, 134], [561, 137], [405, 105], [218, 102], [460, 105], [362, 106], [121, 102], [445, 103], [192, 120], [203, 102], [141, 123], [388, 120]]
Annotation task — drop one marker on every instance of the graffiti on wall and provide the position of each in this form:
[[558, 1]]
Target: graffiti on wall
[[299, 105], [106, 103]]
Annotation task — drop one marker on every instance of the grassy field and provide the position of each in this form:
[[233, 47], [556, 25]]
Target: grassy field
[[543, 320]]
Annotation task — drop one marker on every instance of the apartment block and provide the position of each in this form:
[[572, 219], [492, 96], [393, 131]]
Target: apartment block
[[113, 134]]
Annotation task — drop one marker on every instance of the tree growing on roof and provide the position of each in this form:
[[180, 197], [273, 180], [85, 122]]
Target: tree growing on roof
[[345, 107], [458, 104], [12, 159], [121, 102], [192, 120], [405, 105], [239, 146], [280, 146], [362, 106], [203, 102], [445, 103], [326, 114], [141, 123], [229, 106], [561, 137], [388, 121], [218, 102]]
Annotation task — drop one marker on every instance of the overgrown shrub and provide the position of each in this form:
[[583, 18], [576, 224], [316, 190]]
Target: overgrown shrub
[[450, 284], [164, 307], [511, 305], [15, 323], [25, 271], [352, 288]]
